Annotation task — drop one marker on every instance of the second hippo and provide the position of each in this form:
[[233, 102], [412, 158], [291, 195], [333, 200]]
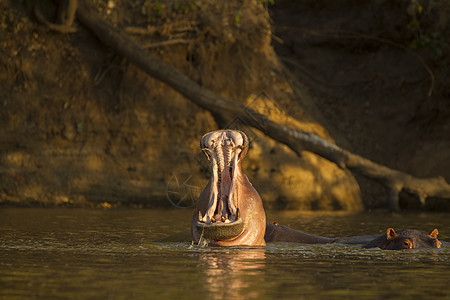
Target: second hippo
[[405, 239]]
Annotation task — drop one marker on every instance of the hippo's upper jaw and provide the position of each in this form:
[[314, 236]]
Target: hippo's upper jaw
[[223, 149], [227, 208]]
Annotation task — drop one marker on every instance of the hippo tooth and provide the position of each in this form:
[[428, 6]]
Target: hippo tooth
[[213, 220], [223, 219], [200, 218]]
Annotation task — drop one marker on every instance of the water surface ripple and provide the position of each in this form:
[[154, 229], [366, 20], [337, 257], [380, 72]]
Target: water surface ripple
[[113, 254]]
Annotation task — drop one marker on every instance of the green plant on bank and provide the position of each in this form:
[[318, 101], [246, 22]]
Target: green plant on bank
[[153, 11], [237, 19], [185, 6], [432, 41], [156, 11]]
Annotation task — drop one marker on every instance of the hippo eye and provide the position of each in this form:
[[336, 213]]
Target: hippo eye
[[407, 244]]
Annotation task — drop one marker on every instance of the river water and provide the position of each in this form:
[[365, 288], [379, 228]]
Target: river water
[[115, 254]]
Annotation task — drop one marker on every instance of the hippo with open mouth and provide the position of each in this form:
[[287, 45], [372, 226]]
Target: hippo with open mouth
[[230, 212]]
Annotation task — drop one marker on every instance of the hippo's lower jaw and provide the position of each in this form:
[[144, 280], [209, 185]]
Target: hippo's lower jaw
[[220, 231]]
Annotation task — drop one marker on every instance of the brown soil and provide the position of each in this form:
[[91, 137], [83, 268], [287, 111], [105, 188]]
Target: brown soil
[[83, 127], [357, 62]]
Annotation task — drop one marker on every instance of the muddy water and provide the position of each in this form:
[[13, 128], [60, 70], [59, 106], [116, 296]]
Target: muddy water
[[112, 254]]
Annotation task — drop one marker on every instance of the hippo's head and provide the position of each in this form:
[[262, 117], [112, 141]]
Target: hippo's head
[[406, 239], [229, 211]]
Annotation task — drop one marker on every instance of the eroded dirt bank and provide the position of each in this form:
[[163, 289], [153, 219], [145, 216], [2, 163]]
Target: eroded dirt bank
[[379, 72], [85, 127]]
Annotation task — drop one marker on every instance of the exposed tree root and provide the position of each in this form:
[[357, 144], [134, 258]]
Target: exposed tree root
[[165, 43], [66, 15], [394, 181]]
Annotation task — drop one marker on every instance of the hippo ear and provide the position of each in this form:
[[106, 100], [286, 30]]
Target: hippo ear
[[203, 141], [391, 234], [244, 145], [434, 234]]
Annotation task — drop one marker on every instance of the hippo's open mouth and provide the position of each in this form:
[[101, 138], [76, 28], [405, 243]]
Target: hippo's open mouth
[[221, 220]]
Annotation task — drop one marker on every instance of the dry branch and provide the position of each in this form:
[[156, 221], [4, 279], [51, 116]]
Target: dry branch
[[140, 30], [297, 140], [165, 43]]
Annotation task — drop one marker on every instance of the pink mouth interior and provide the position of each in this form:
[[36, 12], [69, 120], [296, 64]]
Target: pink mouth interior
[[222, 206]]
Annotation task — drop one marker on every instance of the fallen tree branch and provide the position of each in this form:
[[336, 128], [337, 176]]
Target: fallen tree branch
[[140, 30], [151, 30], [394, 181]]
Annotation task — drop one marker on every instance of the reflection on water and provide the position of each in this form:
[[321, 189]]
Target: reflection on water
[[78, 253], [231, 272]]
